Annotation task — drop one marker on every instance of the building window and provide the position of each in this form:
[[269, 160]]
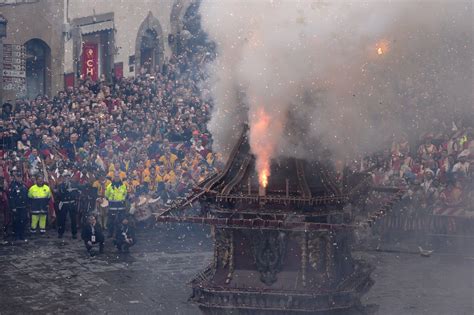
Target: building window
[[38, 62]]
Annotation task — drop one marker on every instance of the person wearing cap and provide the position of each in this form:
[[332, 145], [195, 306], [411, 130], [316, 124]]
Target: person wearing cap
[[18, 200], [68, 195], [92, 234], [125, 236], [39, 195], [462, 166], [116, 194]]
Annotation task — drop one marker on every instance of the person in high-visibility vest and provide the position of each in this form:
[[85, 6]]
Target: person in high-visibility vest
[[39, 195], [116, 194]]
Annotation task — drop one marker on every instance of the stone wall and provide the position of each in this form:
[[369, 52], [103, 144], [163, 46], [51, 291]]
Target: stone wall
[[128, 17], [53, 22], [42, 20]]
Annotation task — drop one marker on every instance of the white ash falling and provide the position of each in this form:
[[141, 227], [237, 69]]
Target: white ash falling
[[339, 75]]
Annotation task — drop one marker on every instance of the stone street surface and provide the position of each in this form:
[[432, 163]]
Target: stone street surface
[[49, 275]]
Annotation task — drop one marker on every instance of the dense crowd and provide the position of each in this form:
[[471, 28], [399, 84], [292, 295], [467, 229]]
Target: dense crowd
[[149, 130], [148, 134], [436, 171]]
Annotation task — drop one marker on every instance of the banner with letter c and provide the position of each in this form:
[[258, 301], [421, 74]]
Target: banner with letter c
[[90, 61]]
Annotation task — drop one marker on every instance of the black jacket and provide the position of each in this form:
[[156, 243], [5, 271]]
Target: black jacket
[[69, 192], [18, 195], [86, 233], [125, 229]]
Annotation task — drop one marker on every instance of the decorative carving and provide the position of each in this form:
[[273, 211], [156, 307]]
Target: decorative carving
[[230, 256], [329, 256], [269, 251], [304, 257], [314, 250], [223, 248]]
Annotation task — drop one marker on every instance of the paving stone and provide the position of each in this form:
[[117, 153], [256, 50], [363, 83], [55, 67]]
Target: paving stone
[[49, 276]]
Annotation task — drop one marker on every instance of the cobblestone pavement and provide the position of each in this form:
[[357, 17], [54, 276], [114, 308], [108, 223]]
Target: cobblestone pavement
[[49, 275], [410, 284]]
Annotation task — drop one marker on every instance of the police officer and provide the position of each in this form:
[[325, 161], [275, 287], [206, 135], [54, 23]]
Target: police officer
[[39, 195], [18, 199], [116, 193], [68, 195]]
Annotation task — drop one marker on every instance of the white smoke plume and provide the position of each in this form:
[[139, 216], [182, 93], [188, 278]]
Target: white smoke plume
[[339, 75]]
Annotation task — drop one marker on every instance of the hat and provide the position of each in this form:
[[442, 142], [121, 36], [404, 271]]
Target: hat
[[428, 171], [66, 173]]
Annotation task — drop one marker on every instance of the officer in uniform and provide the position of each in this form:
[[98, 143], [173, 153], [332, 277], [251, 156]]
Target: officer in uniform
[[39, 195], [18, 199], [68, 195], [116, 193]]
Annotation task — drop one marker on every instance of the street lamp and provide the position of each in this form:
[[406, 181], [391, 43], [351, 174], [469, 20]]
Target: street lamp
[[3, 33]]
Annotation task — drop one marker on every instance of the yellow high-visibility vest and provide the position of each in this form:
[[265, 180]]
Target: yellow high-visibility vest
[[116, 193], [36, 192]]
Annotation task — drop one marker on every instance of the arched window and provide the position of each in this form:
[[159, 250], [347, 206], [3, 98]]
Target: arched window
[[38, 62], [149, 45]]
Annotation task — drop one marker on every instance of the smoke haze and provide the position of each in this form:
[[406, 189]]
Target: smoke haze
[[338, 75]]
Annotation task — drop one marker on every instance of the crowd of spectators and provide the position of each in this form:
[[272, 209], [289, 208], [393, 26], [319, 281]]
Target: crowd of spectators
[[436, 171], [150, 129]]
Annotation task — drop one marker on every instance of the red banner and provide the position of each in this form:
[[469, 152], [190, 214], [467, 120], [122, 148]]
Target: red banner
[[69, 80], [118, 70], [90, 61]]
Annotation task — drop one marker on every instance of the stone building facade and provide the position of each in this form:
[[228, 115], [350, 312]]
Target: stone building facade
[[38, 26], [69, 39]]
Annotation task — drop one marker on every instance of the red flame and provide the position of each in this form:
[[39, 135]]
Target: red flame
[[263, 177], [262, 145], [382, 47]]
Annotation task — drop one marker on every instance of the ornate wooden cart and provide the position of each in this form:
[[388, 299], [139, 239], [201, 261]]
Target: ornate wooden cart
[[282, 249]]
